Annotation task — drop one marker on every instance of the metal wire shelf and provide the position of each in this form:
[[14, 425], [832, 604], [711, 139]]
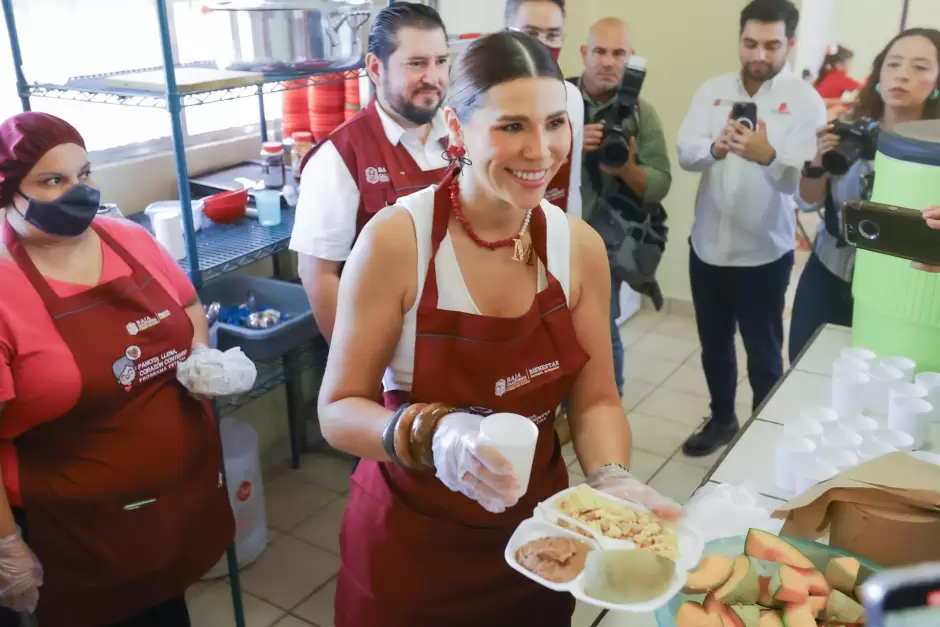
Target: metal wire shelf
[[271, 376], [94, 88]]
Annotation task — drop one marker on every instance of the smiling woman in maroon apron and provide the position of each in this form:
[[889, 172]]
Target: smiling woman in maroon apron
[[474, 296], [111, 470]]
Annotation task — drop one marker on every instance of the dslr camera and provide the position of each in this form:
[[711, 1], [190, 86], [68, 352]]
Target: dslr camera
[[615, 142], [857, 140]]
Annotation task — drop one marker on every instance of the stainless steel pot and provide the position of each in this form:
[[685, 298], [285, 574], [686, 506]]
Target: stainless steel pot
[[292, 37]]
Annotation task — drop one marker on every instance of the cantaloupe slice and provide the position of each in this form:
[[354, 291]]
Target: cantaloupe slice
[[749, 615], [743, 586], [765, 546], [712, 572], [789, 586], [766, 598], [842, 609], [818, 604], [770, 618], [692, 614], [716, 607], [799, 616], [842, 574], [816, 583]]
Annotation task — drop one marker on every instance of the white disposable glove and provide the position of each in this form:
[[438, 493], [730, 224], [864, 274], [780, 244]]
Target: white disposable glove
[[465, 464], [20, 575], [623, 485]]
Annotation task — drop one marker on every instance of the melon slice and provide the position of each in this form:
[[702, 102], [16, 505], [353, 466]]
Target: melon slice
[[799, 616], [842, 574], [765, 546], [717, 608], [749, 615], [692, 614], [816, 584], [712, 572], [789, 586], [843, 609], [818, 604], [770, 618], [766, 598], [743, 586]]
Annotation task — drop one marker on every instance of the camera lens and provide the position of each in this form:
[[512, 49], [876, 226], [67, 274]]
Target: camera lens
[[614, 150], [838, 160]]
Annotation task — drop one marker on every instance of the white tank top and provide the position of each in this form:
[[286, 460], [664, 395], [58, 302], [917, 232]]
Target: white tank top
[[453, 294]]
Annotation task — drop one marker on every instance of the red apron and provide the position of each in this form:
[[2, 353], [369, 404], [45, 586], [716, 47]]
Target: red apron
[[383, 173], [415, 554], [123, 495]]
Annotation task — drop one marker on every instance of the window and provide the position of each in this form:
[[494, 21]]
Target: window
[[84, 37]]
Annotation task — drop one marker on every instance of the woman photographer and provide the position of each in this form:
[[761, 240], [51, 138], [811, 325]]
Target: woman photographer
[[904, 86]]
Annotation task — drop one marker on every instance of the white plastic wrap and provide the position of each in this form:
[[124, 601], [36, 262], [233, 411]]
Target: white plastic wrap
[[725, 511], [210, 372]]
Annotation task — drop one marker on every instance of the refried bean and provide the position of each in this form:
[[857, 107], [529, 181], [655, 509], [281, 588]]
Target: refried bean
[[558, 559]]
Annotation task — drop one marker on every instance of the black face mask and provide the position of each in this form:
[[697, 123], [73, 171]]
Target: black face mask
[[69, 215]]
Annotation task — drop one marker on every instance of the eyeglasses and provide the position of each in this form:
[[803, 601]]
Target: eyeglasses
[[549, 36]]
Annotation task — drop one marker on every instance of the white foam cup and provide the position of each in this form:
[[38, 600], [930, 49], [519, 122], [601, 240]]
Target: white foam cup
[[839, 458], [863, 354], [872, 449], [839, 436], [515, 437], [850, 364], [813, 472], [860, 423], [882, 378], [931, 381], [911, 416], [801, 426], [906, 365], [820, 414], [791, 454], [850, 392], [895, 439]]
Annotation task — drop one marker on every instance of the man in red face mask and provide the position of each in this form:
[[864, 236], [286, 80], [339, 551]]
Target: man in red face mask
[[545, 20]]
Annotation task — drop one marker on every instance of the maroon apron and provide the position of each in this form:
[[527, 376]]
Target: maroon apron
[[415, 554], [383, 173], [123, 495]]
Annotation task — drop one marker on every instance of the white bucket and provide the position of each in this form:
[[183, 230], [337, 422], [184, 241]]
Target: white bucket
[[246, 493], [174, 206]]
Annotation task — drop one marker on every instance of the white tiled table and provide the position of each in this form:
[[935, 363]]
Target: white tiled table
[[749, 461]]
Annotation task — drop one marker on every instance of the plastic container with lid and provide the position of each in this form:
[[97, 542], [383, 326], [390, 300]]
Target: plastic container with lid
[[897, 308], [272, 165], [302, 144], [164, 206]]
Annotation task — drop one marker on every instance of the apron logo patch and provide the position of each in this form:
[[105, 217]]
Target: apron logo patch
[[538, 371], [520, 379], [377, 175], [127, 371]]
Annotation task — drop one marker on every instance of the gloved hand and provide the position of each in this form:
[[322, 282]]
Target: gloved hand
[[465, 464], [20, 575], [623, 485]]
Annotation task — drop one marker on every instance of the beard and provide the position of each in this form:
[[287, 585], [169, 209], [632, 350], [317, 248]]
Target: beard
[[406, 108], [762, 71]]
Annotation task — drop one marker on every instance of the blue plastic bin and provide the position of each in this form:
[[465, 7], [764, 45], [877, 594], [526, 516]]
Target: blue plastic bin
[[231, 290]]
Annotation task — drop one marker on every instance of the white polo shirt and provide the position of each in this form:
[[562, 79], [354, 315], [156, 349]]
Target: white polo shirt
[[325, 217], [745, 212]]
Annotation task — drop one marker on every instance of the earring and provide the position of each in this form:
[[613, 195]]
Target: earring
[[935, 94], [456, 155], [457, 151], [878, 88]]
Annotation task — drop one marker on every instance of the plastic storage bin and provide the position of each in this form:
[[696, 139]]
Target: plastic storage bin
[[259, 345], [245, 492]]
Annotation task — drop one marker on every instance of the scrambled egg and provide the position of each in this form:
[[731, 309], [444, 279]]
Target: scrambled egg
[[613, 520]]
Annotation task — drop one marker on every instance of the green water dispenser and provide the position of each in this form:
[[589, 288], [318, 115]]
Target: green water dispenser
[[897, 308]]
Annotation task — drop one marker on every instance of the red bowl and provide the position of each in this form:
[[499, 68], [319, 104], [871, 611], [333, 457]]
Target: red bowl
[[226, 207]]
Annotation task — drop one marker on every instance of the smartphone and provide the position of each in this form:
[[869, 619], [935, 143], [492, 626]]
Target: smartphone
[[890, 230], [903, 597], [745, 113]]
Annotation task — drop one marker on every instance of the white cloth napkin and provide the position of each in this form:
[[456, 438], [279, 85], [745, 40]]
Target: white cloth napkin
[[210, 372]]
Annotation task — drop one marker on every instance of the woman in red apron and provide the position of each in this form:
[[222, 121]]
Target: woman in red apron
[[507, 312], [113, 502]]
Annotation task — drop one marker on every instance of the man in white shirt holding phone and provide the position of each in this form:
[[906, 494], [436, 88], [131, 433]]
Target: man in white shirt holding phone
[[743, 235]]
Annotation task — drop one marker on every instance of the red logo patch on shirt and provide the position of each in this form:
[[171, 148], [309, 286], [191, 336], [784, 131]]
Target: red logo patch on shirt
[[783, 109]]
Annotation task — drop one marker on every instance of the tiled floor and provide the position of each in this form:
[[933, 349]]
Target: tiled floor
[[292, 584]]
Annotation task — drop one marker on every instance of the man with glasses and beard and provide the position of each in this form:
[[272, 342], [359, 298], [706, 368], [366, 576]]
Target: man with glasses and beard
[[545, 20], [392, 148], [744, 230]]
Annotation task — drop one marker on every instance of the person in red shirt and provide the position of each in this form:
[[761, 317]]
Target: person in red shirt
[[834, 79], [113, 500]]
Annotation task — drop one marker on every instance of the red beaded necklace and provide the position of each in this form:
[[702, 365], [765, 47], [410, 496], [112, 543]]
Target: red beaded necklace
[[522, 252]]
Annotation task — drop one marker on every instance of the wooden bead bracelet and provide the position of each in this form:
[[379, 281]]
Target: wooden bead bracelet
[[408, 438]]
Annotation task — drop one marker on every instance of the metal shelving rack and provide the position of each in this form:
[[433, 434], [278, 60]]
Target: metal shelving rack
[[217, 249]]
